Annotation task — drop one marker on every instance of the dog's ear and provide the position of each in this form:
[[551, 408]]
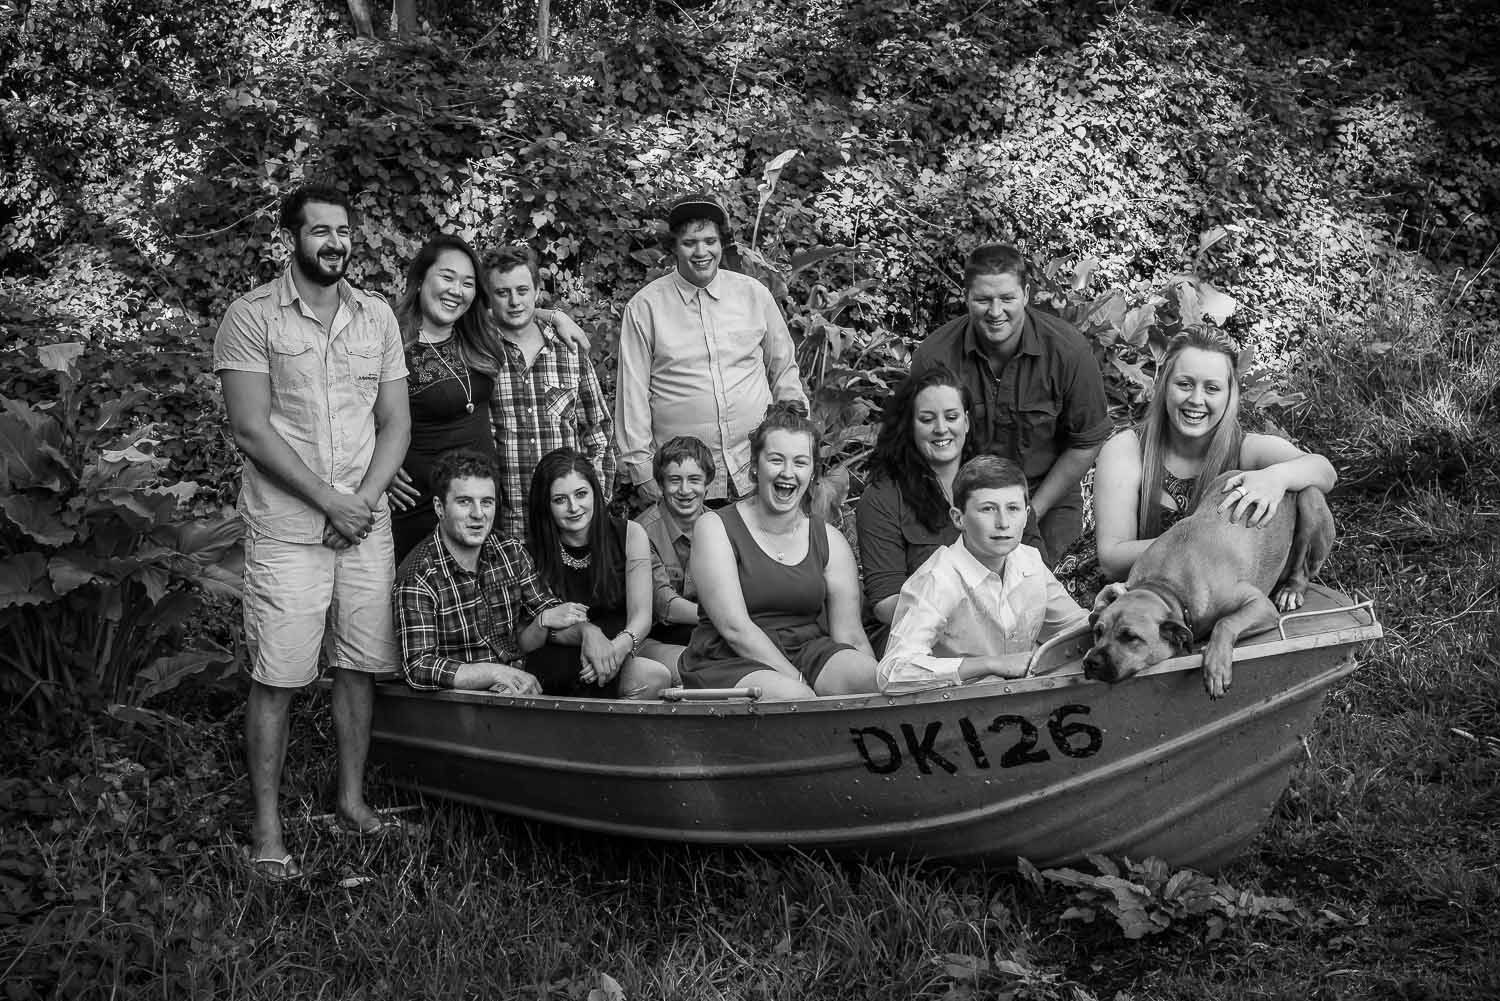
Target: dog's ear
[[1177, 634], [1107, 596]]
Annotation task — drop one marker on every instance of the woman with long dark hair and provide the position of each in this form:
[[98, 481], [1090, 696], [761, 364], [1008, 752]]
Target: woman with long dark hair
[[903, 516], [452, 355], [585, 555]]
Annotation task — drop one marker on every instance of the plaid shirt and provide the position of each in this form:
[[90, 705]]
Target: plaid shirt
[[447, 616], [555, 403]]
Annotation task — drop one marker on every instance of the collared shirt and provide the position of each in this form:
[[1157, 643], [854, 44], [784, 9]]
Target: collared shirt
[[705, 362], [554, 403], [323, 388], [956, 607], [447, 616], [671, 549], [893, 542], [1047, 399]]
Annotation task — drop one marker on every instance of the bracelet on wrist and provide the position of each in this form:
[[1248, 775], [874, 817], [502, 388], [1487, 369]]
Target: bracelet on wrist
[[635, 641]]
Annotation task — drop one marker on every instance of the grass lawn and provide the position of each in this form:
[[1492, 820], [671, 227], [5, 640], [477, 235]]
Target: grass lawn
[[119, 874]]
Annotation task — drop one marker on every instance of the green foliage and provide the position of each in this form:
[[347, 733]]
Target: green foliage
[[1003, 977], [101, 569], [104, 839], [1148, 898], [1407, 389], [1232, 167]]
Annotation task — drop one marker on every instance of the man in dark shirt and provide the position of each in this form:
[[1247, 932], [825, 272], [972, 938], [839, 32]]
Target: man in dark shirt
[[1038, 395], [468, 603]]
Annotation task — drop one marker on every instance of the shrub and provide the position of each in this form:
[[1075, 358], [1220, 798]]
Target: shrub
[[1148, 898], [102, 570]]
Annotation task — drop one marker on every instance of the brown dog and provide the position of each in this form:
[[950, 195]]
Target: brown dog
[[1208, 577]]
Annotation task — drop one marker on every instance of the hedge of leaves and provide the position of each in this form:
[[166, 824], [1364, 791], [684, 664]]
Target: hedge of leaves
[[1243, 165]]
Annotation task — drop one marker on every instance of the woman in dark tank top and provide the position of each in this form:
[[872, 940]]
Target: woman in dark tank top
[[763, 624]]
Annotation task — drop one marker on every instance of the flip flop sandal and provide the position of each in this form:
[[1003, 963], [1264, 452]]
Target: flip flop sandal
[[286, 868]]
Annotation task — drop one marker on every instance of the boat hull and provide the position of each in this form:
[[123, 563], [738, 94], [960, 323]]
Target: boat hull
[[1050, 768]]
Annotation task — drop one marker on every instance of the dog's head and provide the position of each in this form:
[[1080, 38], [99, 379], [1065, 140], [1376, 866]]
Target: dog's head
[[1132, 631]]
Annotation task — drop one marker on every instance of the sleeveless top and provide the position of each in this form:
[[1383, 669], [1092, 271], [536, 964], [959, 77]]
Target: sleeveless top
[[1079, 570], [574, 584], [777, 595], [557, 666], [440, 421], [1180, 489], [440, 418]]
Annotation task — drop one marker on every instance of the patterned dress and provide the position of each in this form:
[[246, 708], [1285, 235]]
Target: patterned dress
[[1079, 570]]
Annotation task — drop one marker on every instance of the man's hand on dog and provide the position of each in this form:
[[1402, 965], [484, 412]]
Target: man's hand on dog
[[1255, 494]]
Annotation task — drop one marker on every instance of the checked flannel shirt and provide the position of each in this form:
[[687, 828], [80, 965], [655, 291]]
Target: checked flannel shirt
[[447, 616], [556, 403]]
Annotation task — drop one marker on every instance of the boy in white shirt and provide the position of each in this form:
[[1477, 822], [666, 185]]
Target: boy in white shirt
[[977, 607]]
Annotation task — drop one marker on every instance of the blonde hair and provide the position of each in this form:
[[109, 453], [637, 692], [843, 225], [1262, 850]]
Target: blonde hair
[[1223, 447]]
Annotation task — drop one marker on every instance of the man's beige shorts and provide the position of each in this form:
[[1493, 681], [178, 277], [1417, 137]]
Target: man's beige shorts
[[299, 595]]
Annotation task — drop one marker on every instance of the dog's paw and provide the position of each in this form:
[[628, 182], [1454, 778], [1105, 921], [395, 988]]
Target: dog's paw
[[1287, 599], [1218, 674]]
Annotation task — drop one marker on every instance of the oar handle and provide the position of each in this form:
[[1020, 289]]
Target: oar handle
[[711, 694]]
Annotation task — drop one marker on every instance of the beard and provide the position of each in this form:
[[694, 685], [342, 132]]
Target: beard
[[315, 271]]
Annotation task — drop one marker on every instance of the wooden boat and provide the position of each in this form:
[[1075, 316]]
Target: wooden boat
[[1051, 767]]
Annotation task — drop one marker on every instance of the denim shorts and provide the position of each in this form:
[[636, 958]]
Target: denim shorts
[[302, 597]]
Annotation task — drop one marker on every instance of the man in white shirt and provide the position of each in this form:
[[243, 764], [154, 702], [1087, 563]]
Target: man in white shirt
[[976, 608], [703, 352]]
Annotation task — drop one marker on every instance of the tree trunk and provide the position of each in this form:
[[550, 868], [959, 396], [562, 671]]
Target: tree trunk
[[544, 30], [405, 16], [359, 13]]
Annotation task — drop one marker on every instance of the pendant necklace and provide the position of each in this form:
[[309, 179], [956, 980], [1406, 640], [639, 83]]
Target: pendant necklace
[[779, 555], [462, 380]]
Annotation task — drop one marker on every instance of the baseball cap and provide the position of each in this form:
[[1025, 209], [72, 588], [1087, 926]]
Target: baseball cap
[[697, 205]]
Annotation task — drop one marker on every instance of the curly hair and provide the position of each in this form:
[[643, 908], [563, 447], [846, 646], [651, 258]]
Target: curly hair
[[512, 256], [478, 344], [606, 573], [1224, 445], [461, 464], [895, 455]]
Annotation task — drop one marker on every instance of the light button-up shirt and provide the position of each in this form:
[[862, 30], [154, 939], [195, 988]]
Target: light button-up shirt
[[705, 362], [955, 607], [323, 388]]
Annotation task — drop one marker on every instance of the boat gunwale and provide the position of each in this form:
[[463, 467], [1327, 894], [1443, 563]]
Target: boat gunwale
[[1041, 684]]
